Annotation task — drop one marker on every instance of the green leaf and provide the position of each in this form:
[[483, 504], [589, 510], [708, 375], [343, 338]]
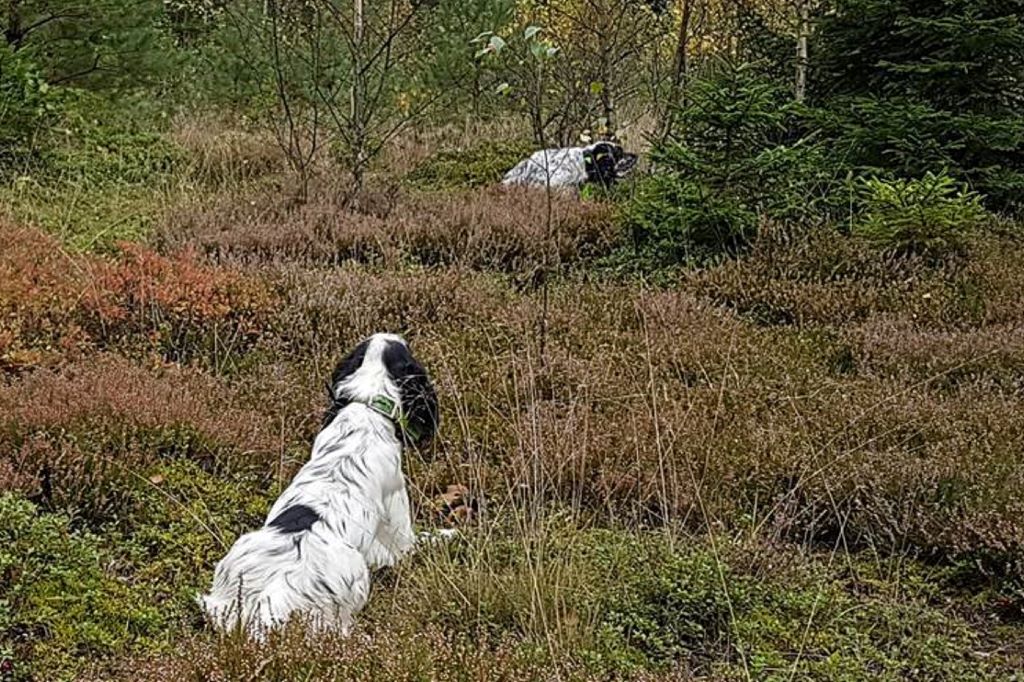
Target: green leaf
[[596, 88], [495, 44], [531, 31]]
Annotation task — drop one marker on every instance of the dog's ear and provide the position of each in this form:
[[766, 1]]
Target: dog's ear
[[602, 166], [419, 401], [346, 368]]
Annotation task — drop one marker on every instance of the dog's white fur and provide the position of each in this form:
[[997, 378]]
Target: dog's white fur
[[562, 167], [354, 483], [566, 167]]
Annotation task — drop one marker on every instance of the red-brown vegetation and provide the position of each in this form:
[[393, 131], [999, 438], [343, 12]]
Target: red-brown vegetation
[[56, 304], [493, 229]]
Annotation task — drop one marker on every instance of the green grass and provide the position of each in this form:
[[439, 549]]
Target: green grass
[[101, 175], [87, 217], [473, 166], [597, 603]]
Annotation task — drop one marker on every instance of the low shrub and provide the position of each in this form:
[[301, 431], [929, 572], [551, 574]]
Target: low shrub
[[54, 304], [60, 604], [81, 439], [483, 163], [824, 278], [74, 597], [932, 216], [490, 229]]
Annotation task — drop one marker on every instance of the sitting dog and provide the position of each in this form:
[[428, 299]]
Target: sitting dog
[[601, 163], [345, 513]]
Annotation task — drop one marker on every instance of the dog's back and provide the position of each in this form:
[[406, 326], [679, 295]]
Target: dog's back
[[563, 167], [314, 553], [286, 568]]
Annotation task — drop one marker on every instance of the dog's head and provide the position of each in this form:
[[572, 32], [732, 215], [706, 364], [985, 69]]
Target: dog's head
[[606, 162], [383, 365]]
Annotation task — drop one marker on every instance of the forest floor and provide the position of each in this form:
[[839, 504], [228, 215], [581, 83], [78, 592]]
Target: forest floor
[[802, 463]]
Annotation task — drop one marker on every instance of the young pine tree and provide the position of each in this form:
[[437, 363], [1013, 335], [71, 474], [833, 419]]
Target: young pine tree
[[912, 86]]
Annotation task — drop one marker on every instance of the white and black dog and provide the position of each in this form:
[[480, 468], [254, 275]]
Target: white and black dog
[[347, 510], [601, 163]]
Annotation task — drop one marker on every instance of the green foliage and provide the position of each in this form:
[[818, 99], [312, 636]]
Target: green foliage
[[675, 220], [734, 159], [96, 178], [96, 44], [177, 523], [451, 27], [59, 604], [912, 86], [26, 104], [476, 166], [61, 601], [661, 605], [101, 143], [931, 216], [675, 609], [569, 70]]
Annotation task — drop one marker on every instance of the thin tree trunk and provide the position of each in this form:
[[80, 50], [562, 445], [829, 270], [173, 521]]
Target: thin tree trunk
[[680, 68], [607, 103], [13, 31], [800, 89], [357, 95]]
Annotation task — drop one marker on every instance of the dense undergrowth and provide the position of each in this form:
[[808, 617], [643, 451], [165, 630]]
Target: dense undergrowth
[[802, 462]]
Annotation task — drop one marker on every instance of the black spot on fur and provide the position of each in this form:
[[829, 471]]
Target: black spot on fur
[[601, 161], [419, 401], [325, 586], [295, 519], [346, 368]]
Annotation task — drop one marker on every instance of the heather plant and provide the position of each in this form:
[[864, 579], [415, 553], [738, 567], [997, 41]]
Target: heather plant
[[486, 228], [865, 423], [789, 449], [80, 439]]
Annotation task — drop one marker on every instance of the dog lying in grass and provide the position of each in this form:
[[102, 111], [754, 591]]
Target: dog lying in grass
[[601, 163], [345, 513]]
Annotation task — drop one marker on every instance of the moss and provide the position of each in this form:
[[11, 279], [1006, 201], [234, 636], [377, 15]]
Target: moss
[[72, 596], [479, 165], [807, 621], [183, 520], [60, 602]]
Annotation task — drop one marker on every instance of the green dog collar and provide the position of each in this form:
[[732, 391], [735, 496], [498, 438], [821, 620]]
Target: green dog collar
[[392, 409]]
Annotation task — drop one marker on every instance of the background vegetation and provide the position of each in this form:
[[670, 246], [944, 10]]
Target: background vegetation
[[754, 414]]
